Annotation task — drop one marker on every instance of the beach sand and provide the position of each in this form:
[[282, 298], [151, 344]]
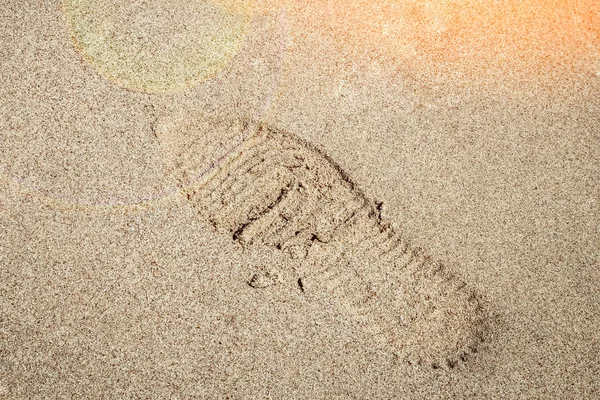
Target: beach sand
[[320, 210]]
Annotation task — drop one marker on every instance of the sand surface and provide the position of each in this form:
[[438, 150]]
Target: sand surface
[[204, 217]]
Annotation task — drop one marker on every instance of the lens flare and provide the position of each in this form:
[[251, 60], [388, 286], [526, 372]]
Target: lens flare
[[157, 46]]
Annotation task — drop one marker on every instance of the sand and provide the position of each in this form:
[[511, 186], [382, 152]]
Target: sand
[[331, 202]]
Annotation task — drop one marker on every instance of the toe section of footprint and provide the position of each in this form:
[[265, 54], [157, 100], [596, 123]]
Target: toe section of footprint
[[194, 147], [282, 192], [278, 192]]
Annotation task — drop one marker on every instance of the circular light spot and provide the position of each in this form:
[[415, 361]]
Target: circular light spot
[[157, 46]]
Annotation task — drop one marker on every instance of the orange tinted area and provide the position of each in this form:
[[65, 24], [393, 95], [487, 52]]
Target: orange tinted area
[[461, 34]]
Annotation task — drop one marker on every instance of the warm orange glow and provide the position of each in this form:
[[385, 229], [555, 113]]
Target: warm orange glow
[[467, 34]]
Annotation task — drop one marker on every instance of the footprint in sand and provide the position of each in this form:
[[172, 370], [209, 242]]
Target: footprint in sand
[[282, 192], [264, 187]]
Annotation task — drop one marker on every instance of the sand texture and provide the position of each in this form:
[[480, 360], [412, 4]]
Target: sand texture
[[232, 199]]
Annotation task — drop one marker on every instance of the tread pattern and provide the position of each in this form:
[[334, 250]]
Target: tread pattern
[[282, 192]]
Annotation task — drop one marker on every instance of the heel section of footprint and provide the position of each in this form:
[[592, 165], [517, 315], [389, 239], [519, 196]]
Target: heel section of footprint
[[282, 192]]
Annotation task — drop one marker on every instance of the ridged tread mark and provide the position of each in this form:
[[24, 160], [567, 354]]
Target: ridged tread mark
[[240, 170], [314, 211], [214, 185], [237, 186], [276, 233], [425, 314], [261, 227], [189, 156], [261, 213], [262, 189]]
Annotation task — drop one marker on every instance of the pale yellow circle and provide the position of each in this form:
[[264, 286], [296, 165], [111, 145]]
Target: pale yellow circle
[[157, 45]]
